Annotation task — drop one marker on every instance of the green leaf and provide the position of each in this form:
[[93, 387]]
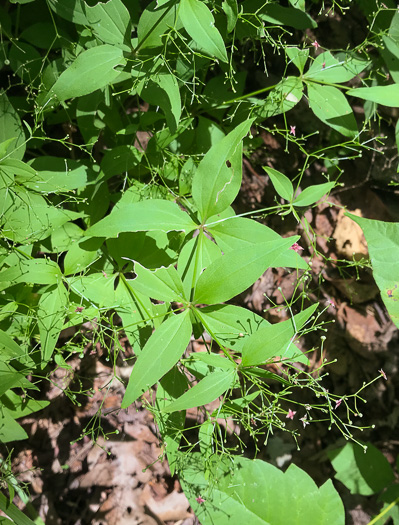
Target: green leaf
[[13, 512], [385, 95], [10, 378], [275, 340], [361, 472], [97, 288], [230, 8], [230, 325], [51, 316], [383, 245], [55, 174], [239, 233], [93, 69], [38, 271], [332, 108], [286, 16], [155, 214], [281, 99], [71, 10], [218, 176], [390, 54], [199, 23], [162, 351], [298, 57], [21, 407], [119, 160], [235, 271], [257, 493], [81, 255], [163, 284], [163, 90], [110, 22], [10, 430], [171, 426], [313, 194], [207, 390], [11, 130], [9, 348], [281, 183], [342, 68], [196, 254], [156, 22]]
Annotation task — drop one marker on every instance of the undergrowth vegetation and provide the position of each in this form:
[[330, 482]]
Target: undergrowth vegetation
[[124, 125]]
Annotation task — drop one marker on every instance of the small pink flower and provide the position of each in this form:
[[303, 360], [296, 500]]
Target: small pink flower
[[296, 247], [383, 374], [323, 65], [104, 274], [305, 421], [337, 403], [316, 45], [331, 303], [291, 414], [79, 309], [292, 130], [200, 500]]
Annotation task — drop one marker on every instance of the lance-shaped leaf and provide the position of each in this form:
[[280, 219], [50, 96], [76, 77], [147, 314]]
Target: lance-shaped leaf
[[383, 245], [235, 271], [237, 232], [110, 22], [11, 129], [207, 390], [332, 108], [199, 23], [163, 91], [163, 283], [230, 8], [281, 183], [218, 176], [51, 316], [230, 325], [171, 426], [9, 350], [312, 194], [150, 215], [275, 340], [155, 22], [162, 351], [385, 95], [281, 99], [298, 57], [327, 68], [257, 493], [196, 254], [93, 69]]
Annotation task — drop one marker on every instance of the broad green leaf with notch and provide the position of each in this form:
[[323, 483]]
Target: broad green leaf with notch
[[71, 10], [298, 57], [257, 493], [11, 130], [235, 271], [342, 68], [51, 314], [281, 183], [199, 23], [97, 288], [238, 232], [38, 271], [385, 95], [55, 174], [383, 245], [171, 426], [93, 69], [196, 254], [313, 194], [82, 254], [230, 325], [119, 160], [230, 8], [10, 430], [161, 352], [361, 472], [207, 390], [153, 214], [21, 407], [163, 283], [110, 22], [218, 176], [9, 349], [163, 90], [10, 378], [155, 22], [332, 108], [275, 340]]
